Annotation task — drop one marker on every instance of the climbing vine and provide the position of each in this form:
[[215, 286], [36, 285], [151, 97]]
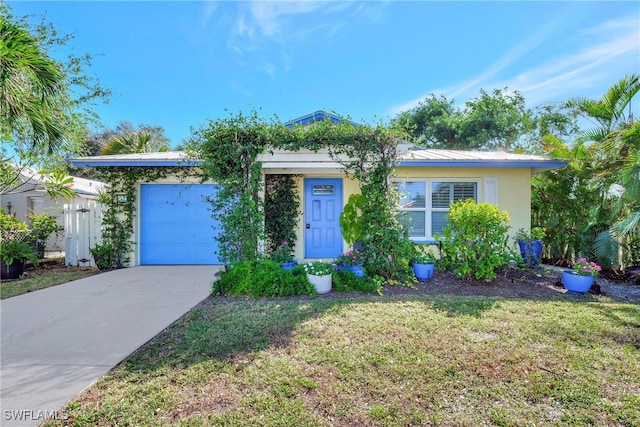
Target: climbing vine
[[368, 155], [119, 198], [282, 207], [228, 149]]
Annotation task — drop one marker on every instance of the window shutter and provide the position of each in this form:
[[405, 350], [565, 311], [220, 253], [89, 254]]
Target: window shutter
[[491, 190], [464, 191]]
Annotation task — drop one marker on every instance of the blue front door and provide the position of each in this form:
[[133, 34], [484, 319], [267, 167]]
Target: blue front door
[[322, 208]]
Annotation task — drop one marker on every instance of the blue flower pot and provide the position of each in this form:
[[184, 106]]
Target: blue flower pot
[[289, 265], [531, 252], [355, 269], [423, 271], [576, 284]]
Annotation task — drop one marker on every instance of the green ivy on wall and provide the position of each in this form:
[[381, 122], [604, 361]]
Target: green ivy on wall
[[228, 149], [281, 210], [250, 212], [119, 198]]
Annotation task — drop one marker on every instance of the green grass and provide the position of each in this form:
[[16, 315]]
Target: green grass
[[22, 286], [380, 361]]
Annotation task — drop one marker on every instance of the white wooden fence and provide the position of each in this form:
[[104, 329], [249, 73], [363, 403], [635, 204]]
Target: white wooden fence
[[82, 231]]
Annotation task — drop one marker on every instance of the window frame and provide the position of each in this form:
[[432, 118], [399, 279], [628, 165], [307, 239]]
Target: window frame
[[428, 209]]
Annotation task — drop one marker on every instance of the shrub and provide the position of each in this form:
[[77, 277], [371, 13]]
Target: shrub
[[44, 225], [105, 255], [345, 281], [475, 241], [10, 222], [264, 278]]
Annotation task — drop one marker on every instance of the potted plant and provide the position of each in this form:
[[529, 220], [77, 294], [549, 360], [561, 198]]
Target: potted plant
[[530, 244], [352, 261], [423, 265], [580, 279], [283, 254], [13, 254], [319, 274]]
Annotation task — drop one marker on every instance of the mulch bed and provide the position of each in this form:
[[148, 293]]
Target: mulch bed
[[517, 283], [509, 283]]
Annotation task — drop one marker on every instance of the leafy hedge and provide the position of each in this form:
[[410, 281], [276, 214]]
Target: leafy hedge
[[266, 278], [475, 240], [263, 278], [345, 281]]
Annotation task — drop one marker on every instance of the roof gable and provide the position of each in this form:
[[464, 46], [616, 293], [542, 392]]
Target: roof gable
[[311, 118]]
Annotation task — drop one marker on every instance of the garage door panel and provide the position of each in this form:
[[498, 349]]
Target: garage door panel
[[176, 225]]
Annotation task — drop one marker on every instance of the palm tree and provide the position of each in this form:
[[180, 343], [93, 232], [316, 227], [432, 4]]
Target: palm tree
[[146, 140], [608, 112], [616, 146], [630, 179], [31, 84]]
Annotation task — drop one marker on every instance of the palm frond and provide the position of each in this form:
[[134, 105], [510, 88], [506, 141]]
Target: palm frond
[[605, 248]]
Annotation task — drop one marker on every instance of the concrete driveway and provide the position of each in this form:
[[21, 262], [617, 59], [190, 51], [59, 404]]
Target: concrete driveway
[[58, 341]]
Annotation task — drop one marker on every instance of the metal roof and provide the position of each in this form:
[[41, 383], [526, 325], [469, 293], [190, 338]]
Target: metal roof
[[462, 158], [284, 159], [33, 180], [164, 158], [87, 186]]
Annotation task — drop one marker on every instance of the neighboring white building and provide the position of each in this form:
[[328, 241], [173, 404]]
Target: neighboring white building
[[30, 197]]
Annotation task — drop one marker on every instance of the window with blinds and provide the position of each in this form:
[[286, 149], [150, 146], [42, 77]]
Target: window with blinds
[[426, 203]]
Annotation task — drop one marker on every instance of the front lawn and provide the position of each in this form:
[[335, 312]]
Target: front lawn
[[382, 361], [43, 277]]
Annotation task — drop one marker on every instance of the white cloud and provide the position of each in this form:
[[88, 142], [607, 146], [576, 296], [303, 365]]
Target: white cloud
[[272, 30], [598, 64], [208, 10], [601, 56]]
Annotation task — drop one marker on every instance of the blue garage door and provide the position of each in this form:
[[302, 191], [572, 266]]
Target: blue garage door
[[176, 225]]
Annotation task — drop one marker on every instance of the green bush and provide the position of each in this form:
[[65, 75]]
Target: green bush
[[475, 241], [10, 222], [44, 225], [263, 279], [345, 281], [104, 255]]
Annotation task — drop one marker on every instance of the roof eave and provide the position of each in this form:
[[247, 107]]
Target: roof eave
[[124, 163], [535, 165]]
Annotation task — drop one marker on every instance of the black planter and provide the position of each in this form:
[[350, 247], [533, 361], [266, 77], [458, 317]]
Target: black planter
[[12, 271]]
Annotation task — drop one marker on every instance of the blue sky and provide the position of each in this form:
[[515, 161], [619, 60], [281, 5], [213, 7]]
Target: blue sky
[[180, 64]]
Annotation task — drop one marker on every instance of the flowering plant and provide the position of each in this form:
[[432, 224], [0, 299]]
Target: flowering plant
[[582, 267], [351, 258], [281, 254], [317, 268]]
